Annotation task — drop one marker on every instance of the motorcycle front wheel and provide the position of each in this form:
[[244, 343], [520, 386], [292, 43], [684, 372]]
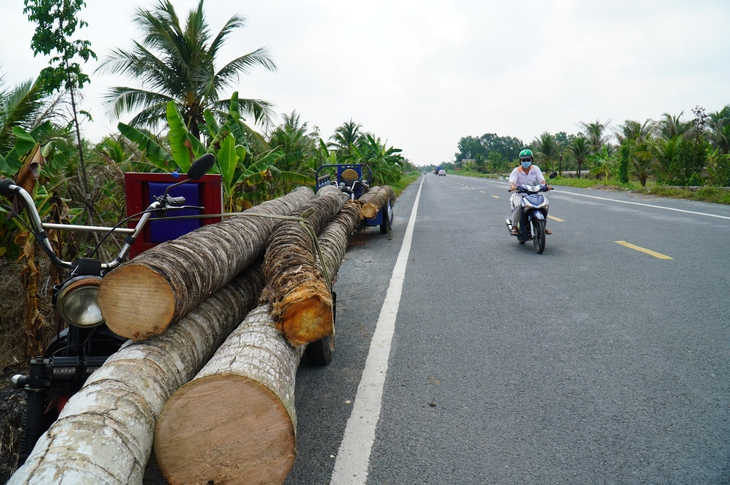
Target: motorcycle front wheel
[[538, 235]]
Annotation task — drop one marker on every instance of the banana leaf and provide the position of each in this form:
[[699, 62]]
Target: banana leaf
[[181, 153], [156, 154]]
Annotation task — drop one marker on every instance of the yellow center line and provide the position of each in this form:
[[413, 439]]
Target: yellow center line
[[643, 250], [496, 196], [556, 219]]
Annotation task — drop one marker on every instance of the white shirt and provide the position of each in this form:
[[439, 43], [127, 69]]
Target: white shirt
[[532, 177]]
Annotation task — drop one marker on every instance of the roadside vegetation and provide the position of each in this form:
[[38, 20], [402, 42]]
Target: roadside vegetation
[[668, 157]]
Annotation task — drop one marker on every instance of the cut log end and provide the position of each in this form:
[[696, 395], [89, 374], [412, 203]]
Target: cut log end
[[305, 315], [369, 211], [148, 304], [246, 437]]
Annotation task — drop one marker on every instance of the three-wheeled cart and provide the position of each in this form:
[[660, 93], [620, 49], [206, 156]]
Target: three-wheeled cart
[[349, 178]]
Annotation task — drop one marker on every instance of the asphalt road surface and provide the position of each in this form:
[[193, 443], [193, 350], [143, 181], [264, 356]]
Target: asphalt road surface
[[606, 359]]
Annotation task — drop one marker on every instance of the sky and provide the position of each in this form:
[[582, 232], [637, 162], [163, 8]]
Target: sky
[[422, 74]]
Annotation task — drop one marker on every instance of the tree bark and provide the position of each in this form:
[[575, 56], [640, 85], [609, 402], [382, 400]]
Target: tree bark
[[374, 199], [143, 297], [104, 434], [236, 421], [297, 289]]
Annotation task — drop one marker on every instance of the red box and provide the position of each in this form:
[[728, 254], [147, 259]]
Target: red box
[[141, 189]]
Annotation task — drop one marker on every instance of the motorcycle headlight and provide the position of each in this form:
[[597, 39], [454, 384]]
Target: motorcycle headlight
[[77, 304]]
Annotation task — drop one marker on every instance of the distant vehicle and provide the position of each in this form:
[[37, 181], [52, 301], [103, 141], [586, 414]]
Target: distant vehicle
[[442, 172]]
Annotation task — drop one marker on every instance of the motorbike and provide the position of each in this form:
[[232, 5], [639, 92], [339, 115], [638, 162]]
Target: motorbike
[[534, 214], [83, 342]]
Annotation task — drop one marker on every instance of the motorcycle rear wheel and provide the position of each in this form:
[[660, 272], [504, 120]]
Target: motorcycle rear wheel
[[538, 235]]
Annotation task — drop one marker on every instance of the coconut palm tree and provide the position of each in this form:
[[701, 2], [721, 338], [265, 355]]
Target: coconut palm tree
[[720, 129], [548, 150], [595, 133], [28, 107], [296, 145], [672, 126], [345, 136], [177, 63], [632, 130], [665, 152], [579, 150]]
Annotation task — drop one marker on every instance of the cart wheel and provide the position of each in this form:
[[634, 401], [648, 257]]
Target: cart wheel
[[320, 353], [387, 219]]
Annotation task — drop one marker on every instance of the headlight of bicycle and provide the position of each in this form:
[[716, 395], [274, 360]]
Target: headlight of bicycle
[[77, 303]]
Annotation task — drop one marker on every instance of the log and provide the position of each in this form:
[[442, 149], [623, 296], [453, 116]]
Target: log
[[374, 199], [236, 421], [105, 432], [169, 280], [300, 298]]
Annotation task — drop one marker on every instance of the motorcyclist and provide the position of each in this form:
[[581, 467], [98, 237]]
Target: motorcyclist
[[525, 173]]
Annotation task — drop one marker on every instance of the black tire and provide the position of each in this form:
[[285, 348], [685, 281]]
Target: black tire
[[320, 353], [538, 235], [387, 221]]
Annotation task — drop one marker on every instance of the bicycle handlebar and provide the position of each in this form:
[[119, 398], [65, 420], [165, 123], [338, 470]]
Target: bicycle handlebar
[[9, 188]]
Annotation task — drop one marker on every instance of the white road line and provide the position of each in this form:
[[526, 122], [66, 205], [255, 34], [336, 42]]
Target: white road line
[[644, 205], [353, 457]]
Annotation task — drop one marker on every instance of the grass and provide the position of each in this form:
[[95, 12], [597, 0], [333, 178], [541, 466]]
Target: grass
[[404, 182]]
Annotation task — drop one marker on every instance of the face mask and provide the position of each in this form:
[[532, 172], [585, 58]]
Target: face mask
[[526, 165]]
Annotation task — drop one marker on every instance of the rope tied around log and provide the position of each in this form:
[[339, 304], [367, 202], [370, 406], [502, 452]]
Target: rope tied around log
[[309, 229]]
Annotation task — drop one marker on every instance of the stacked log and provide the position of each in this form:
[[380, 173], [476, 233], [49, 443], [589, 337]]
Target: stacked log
[[236, 421], [301, 300], [105, 432], [168, 281], [375, 199]]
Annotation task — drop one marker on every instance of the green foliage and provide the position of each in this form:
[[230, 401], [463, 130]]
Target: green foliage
[[175, 62], [579, 151], [623, 165], [603, 163], [718, 169], [688, 162], [23, 107], [547, 151], [12, 161], [57, 22], [345, 137], [386, 163], [497, 150], [154, 152]]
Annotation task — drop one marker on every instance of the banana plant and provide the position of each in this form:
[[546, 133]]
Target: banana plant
[[12, 161], [184, 147]]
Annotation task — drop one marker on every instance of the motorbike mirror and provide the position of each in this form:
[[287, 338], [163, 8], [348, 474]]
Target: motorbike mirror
[[5, 187], [201, 166], [553, 175]]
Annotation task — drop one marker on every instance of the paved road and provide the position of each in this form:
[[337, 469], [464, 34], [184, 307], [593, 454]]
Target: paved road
[[594, 362]]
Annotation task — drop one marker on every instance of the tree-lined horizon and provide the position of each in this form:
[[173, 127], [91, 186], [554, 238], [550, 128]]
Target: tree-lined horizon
[[671, 150]]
